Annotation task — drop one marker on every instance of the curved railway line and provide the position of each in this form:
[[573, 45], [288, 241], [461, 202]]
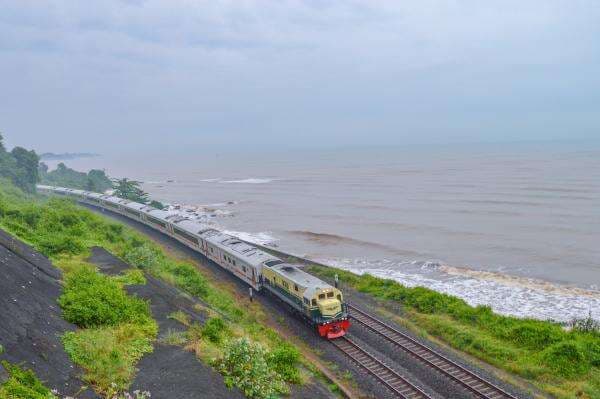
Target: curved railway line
[[480, 387], [389, 377]]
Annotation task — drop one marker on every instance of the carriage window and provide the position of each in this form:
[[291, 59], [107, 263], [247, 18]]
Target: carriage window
[[339, 297], [330, 295], [243, 267], [295, 287], [272, 263], [286, 285], [321, 296], [234, 264], [314, 302], [306, 301]]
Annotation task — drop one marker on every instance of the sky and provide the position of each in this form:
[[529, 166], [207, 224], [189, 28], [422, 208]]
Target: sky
[[183, 75]]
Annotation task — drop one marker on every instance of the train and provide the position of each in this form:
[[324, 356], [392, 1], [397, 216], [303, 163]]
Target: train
[[320, 304]]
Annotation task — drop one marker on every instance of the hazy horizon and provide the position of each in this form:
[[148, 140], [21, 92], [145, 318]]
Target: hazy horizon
[[124, 76]]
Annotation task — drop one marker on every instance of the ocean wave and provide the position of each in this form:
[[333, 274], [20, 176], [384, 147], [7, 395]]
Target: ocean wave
[[508, 295], [211, 180], [200, 213], [261, 238], [248, 181], [328, 239]]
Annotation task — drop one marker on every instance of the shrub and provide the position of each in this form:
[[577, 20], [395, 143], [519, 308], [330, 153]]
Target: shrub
[[131, 277], [214, 330], [143, 256], [109, 354], [23, 384], [244, 365], [535, 335], [566, 359], [284, 361], [90, 299]]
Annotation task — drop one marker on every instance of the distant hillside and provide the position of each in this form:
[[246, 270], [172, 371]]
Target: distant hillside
[[50, 156]]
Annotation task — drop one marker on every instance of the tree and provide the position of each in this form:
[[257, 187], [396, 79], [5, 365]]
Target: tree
[[8, 164], [20, 166], [95, 180], [130, 189], [27, 174], [98, 181], [157, 204], [43, 169]]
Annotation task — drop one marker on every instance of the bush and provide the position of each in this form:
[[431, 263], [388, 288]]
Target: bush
[[284, 361], [535, 335], [215, 329], [90, 299], [23, 384], [143, 256], [131, 277], [244, 365], [109, 354], [566, 359]]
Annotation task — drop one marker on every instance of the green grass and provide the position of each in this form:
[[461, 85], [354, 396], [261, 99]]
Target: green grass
[[564, 363], [109, 354], [23, 384], [118, 329], [90, 299]]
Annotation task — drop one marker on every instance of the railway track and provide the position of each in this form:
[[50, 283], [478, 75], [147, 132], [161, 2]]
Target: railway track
[[480, 387], [390, 378]]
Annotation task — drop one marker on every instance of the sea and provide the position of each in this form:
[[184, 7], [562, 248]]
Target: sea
[[515, 226]]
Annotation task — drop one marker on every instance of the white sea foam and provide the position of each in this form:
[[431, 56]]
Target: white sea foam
[[249, 181], [510, 296], [262, 238], [211, 180]]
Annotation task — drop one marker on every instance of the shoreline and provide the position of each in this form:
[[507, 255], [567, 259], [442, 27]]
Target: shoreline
[[551, 288]]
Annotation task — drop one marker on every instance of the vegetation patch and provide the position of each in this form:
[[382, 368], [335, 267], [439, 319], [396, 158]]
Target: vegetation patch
[[23, 384], [245, 366], [95, 180], [91, 299], [562, 361], [117, 328], [109, 354]]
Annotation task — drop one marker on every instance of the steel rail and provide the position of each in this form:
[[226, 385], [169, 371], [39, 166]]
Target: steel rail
[[433, 359], [389, 377]]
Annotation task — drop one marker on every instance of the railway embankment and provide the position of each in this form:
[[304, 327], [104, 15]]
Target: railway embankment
[[541, 357], [186, 312], [524, 356]]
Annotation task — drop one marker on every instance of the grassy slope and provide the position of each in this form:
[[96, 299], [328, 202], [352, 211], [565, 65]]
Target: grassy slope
[[563, 363], [65, 232], [23, 384]]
